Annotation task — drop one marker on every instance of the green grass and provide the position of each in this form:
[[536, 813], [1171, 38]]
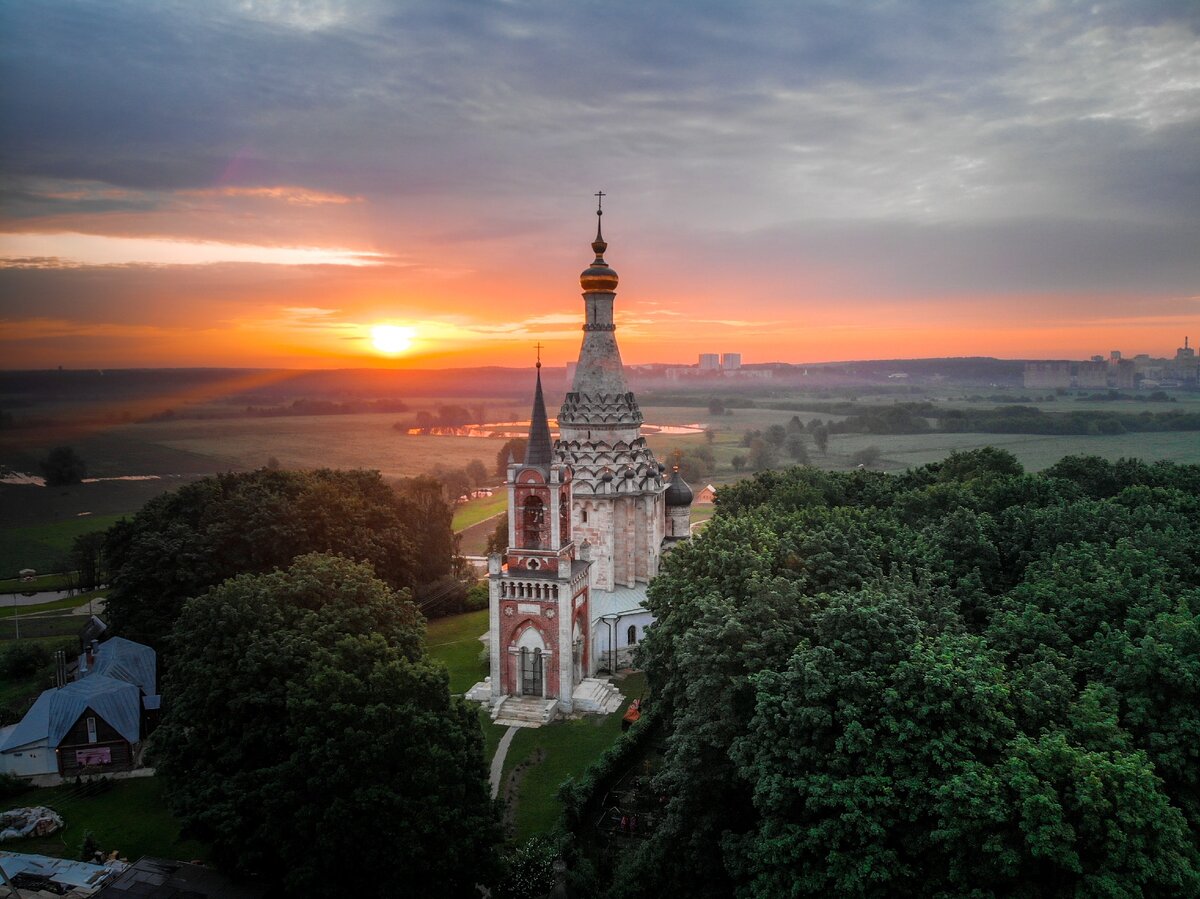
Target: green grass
[[454, 641], [70, 602], [43, 627], [132, 817], [477, 510], [41, 582], [569, 747], [45, 547]]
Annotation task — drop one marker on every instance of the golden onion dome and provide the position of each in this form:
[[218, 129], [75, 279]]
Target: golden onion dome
[[598, 277]]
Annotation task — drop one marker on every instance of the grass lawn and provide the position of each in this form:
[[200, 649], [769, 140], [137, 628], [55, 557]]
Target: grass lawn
[[69, 602], [45, 547], [454, 641], [477, 510], [132, 817], [51, 629], [41, 582], [569, 747]]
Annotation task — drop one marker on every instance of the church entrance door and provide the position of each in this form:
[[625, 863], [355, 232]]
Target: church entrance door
[[531, 672]]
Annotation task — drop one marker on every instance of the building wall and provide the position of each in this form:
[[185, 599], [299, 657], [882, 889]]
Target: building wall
[[1047, 374], [602, 647], [106, 736], [29, 761]]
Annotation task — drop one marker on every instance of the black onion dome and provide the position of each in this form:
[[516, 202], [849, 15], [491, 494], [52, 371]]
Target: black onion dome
[[678, 492]]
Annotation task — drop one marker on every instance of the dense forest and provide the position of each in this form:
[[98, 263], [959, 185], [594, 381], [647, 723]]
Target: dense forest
[[964, 680], [184, 542]]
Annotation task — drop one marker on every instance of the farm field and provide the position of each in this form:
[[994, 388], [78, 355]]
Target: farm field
[[177, 450]]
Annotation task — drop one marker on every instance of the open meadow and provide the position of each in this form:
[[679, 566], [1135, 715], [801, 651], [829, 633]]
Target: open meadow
[[37, 524]]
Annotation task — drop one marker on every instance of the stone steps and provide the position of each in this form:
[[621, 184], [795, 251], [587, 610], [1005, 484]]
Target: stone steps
[[596, 695], [524, 711]]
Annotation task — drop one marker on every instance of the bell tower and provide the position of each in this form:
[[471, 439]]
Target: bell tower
[[538, 591]]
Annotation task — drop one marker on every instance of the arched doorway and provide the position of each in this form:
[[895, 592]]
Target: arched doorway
[[531, 663]]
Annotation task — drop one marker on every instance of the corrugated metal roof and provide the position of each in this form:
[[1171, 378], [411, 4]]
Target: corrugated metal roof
[[33, 727], [134, 663], [116, 701], [620, 601]]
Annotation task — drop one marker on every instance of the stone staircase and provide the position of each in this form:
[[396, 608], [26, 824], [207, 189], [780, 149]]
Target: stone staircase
[[524, 711], [596, 696]]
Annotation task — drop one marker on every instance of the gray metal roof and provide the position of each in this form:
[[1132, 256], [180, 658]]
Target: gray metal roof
[[134, 663], [623, 600]]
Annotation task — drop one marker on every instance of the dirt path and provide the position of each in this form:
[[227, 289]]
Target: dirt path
[[498, 759]]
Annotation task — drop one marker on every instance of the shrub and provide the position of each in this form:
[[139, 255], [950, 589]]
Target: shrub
[[23, 658], [477, 597], [11, 785]]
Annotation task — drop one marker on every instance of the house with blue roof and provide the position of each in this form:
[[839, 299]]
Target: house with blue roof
[[93, 725]]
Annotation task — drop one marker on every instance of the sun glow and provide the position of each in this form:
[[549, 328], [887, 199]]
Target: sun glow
[[391, 340]]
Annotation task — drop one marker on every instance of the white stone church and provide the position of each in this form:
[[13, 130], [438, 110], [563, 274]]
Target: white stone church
[[589, 516]]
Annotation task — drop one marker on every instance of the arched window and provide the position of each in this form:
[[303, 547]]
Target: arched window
[[631, 635], [533, 519]]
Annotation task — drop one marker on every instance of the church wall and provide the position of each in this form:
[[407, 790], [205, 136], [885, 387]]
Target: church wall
[[601, 648]]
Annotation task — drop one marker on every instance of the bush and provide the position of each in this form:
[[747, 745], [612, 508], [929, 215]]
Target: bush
[[11, 785], [89, 848], [23, 658], [477, 597], [529, 870]]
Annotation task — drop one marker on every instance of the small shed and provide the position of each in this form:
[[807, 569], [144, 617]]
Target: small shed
[[706, 495]]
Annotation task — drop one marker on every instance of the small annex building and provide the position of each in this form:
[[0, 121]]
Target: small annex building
[[92, 725]]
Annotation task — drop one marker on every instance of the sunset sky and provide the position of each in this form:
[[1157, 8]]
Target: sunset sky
[[257, 183]]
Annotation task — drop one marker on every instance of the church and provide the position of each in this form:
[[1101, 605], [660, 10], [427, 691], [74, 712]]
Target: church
[[589, 517]]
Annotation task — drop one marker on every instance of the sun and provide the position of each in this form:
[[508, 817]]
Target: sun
[[391, 340]]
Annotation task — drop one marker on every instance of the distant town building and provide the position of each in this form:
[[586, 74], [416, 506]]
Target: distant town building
[[1092, 374], [731, 361], [1047, 375], [710, 362]]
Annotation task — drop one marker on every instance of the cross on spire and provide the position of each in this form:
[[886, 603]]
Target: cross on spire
[[538, 347], [599, 195]]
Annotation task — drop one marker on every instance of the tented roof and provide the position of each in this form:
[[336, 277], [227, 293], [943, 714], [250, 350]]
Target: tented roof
[[134, 663]]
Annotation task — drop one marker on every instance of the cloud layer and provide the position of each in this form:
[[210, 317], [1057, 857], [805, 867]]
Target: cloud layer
[[816, 164]]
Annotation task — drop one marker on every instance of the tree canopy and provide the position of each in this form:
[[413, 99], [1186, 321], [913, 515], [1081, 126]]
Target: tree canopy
[[183, 542], [964, 680], [309, 739], [62, 466]]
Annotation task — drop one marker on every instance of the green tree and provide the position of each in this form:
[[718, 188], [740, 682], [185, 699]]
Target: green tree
[[515, 449], [310, 741], [820, 435], [183, 542], [63, 466], [477, 472], [87, 559], [797, 447], [762, 455]]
